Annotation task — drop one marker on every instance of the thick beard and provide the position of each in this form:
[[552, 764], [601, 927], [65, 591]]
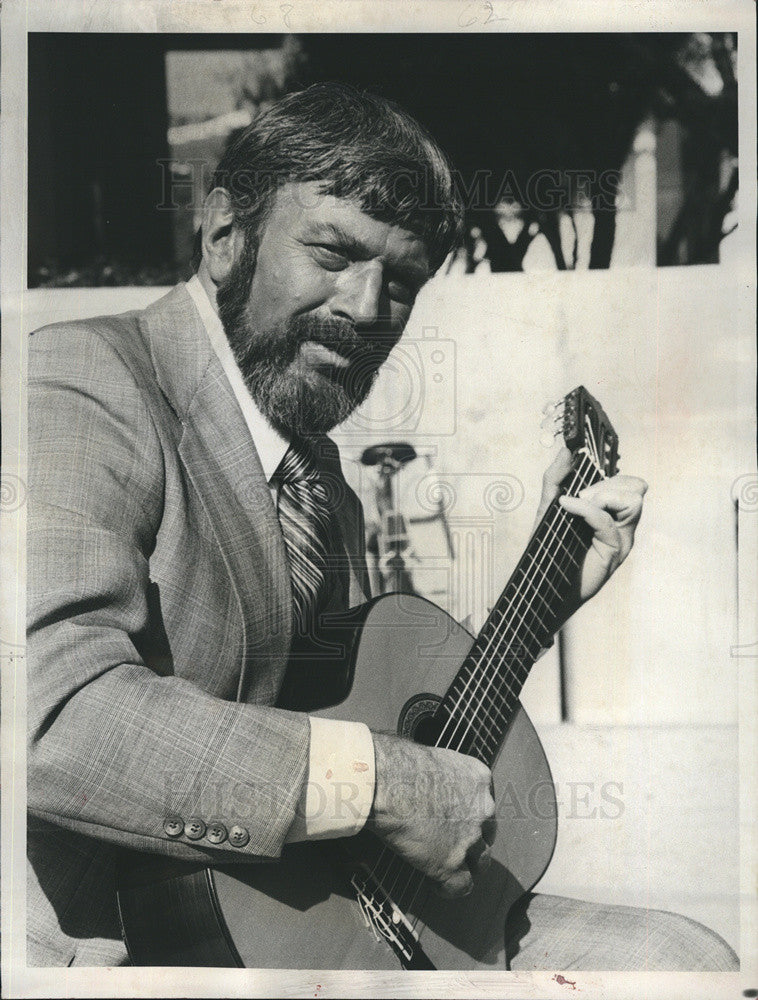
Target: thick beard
[[297, 400]]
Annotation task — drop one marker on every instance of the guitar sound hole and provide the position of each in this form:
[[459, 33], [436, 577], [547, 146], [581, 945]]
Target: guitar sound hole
[[417, 719]]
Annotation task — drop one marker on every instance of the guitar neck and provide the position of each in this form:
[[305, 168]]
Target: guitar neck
[[477, 708]]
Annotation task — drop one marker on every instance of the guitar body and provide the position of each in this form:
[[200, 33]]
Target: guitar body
[[302, 912]]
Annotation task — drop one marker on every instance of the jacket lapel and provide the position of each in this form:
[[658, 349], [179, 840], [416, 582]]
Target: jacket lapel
[[221, 461]]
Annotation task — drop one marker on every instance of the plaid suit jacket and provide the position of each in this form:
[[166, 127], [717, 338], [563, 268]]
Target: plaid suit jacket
[[159, 618]]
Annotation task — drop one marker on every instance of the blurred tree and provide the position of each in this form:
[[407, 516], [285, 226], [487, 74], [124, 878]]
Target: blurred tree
[[545, 123], [698, 89], [539, 127]]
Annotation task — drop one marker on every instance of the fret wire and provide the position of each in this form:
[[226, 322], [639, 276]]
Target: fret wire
[[494, 700], [496, 697], [551, 528], [510, 655], [492, 703], [495, 734], [549, 583], [569, 549], [499, 687], [506, 700], [573, 543], [497, 694], [512, 598], [537, 596], [486, 751], [466, 722]]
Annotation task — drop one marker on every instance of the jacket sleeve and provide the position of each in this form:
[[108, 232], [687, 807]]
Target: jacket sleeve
[[115, 750]]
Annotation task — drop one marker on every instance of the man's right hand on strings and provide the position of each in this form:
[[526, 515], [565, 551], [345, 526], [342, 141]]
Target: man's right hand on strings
[[434, 807]]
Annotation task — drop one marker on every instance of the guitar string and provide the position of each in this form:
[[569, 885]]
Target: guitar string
[[496, 625], [402, 867], [499, 636], [542, 545], [550, 536], [537, 567], [591, 458], [492, 696], [566, 524], [561, 520], [574, 540], [496, 631]]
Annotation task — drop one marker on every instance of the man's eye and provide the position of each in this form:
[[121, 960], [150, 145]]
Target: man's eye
[[330, 256], [400, 292]]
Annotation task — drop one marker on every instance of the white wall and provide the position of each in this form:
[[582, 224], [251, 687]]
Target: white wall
[[670, 355]]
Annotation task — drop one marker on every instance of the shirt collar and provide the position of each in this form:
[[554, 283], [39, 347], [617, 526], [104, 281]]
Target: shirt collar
[[269, 443]]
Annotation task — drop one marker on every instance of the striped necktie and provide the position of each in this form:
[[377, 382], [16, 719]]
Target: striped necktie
[[306, 525]]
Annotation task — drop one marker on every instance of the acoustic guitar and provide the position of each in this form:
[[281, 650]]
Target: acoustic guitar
[[406, 666]]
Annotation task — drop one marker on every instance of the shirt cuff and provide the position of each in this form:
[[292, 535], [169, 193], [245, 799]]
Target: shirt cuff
[[339, 789]]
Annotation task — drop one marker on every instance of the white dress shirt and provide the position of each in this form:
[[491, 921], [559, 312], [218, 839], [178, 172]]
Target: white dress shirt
[[339, 789]]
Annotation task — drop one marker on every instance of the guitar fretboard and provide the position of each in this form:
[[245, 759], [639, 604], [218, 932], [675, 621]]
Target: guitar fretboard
[[478, 706]]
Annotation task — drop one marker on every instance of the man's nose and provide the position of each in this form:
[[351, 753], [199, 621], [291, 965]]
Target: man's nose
[[358, 293]]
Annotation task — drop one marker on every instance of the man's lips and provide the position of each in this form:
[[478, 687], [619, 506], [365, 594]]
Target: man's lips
[[316, 354]]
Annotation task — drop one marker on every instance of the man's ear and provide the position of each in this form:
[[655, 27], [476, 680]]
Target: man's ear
[[222, 240]]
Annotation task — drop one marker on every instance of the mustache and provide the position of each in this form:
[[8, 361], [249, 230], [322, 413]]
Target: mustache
[[341, 336]]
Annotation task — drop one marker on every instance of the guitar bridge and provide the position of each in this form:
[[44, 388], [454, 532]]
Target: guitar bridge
[[385, 919]]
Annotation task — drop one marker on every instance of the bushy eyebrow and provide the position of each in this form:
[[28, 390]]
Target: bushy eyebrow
[[332, 232]]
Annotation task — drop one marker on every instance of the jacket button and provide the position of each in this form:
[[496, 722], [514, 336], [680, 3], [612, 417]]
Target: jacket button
[[238, 836], [216, 833], [194, 828], [173, 826]]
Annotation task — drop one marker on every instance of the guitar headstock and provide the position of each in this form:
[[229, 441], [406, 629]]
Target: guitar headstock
[[587, 431]]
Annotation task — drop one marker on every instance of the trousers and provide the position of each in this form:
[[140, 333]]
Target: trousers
[[555, 932]]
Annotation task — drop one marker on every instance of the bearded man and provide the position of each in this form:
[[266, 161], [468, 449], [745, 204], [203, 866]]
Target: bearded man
[[169, 585]]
